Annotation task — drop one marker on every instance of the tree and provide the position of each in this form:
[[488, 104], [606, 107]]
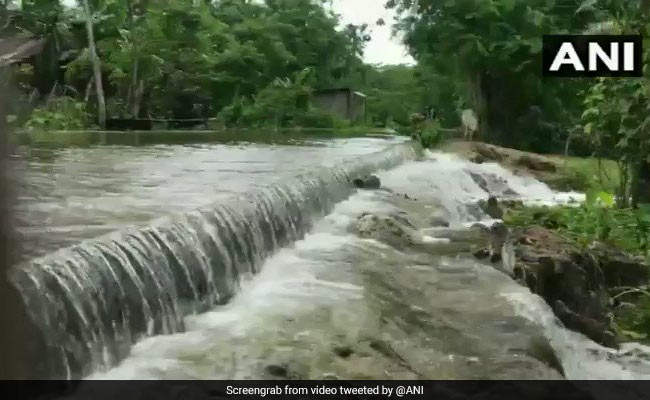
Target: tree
[[491, 51], [617, 111], [193, 59], [96, 64]]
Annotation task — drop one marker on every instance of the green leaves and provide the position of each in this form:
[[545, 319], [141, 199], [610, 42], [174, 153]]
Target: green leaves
[[62, 113], [597, 198], [499, 41]]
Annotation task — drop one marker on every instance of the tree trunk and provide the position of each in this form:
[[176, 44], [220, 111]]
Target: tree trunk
[[635, 170], [97, 69], [645, 6], [5, 21], [131, 94], [623, 188], [52, 93], [640, 184], [137, 99], [567, 145], [480, 103], [133, 88], [89, 88]]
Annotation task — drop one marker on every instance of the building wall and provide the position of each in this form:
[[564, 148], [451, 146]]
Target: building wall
[[337, 104], [357, 108]]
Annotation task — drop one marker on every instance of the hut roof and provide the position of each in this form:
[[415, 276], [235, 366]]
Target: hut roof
[[17, 49]]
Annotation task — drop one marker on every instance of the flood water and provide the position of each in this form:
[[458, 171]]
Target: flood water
[[69, 194], [262, 276]]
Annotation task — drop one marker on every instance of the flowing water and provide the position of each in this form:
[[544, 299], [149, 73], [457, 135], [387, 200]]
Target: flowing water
[[258, 275]]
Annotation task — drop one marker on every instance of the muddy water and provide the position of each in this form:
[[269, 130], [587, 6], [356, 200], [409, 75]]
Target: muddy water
[[69, 194], [337, 306]]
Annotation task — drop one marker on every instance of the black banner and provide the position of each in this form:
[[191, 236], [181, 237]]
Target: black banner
[[331, 389], [577, 56]]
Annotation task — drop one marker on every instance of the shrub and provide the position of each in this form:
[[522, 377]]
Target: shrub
[[597, 219], [314, 119], [61, 113], [431, 134]]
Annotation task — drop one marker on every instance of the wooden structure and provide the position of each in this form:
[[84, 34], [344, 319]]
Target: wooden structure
[[16, 50], [345, 103]]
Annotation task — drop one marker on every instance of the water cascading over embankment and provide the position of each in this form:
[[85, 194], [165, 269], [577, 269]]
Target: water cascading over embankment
[[92, 301]]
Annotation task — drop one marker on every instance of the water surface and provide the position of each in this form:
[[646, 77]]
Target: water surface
[[73, 193]]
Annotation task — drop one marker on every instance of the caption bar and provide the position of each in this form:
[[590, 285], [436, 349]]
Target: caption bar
[[333, 389]]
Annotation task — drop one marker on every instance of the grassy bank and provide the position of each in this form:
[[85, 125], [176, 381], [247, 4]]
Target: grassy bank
[[624, 229], [597, 220], [583, 174]]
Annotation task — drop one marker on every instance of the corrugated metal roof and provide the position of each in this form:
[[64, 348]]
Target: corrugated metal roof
[[16, 49]]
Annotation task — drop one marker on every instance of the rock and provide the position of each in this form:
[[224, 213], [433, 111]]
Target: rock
[[394, 230], [540, 349], [478, 159], [439, 219], [402, 218], [536, 163], [596, 330], [487, 152], [493, 209], [343, 351], [618, 268], [573, 280], [397, 231], [478, 234], [509, 204], [280, 371], [497, 235], [479, 180], [369, 182], [482, 254]]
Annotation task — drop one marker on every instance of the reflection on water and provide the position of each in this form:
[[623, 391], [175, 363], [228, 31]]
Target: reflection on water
[[73, 193]]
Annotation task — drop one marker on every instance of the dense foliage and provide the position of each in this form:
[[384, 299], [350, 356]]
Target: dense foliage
[[486, 55], [236, 60]]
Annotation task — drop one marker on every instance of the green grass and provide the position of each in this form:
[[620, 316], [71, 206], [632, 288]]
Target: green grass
[[626, 229], [583, 174]]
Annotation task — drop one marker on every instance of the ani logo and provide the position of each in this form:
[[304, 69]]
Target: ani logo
[[592, 56]]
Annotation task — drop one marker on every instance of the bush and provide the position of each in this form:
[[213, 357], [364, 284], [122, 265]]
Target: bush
[[61, 113], [431, 134], [597, 219], [314, 119]]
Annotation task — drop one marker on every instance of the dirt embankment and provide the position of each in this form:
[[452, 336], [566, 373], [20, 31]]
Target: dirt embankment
[[543, 168], [577, 282]]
